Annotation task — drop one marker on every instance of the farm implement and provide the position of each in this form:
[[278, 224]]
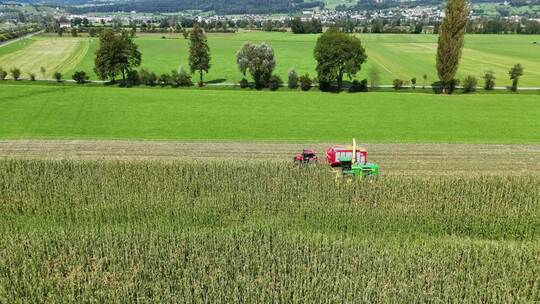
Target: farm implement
[[306, 157], [350, 160]]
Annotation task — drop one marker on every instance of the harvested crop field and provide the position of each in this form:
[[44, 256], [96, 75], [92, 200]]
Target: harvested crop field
[[395, 159], [53, 54]]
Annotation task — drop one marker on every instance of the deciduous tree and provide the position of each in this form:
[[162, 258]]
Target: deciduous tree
[[489, 80], [57, 76], [117, 54], [337, 54], [199, 52], [258, 60], [15, 73], [80, 77], [292, 80], [515, 72]]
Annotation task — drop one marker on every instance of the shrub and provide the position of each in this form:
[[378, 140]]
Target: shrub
[[244, 83], [57, 76], [355, 86], [325, 86], [489, 80], [275, 83], [15, 73], [413, 83], [164, 80], [132, 78], [305, 82], [32, 77], [80, 77], [451, 87], [183, 79], [397, 83], [359, 86], [469, 84], [437, 87], [293, 80], [363, 85], [174, 79], [3, 74], [147, 78]]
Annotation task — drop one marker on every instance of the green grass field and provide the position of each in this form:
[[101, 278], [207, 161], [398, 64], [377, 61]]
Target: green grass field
[[395, 56], [55, 111], [260, 232]]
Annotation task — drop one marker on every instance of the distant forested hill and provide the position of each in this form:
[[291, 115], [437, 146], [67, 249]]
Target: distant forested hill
[[223, 7], [218, 6]]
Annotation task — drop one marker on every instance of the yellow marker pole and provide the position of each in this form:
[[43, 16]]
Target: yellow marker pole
[[354, 151]]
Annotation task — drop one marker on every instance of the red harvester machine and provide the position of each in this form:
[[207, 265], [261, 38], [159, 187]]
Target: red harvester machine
[[306, 157], [352, 160], [334, 154]]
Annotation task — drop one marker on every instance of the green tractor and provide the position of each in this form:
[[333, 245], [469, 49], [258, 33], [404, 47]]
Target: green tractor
[[348, 167], [354, 164]]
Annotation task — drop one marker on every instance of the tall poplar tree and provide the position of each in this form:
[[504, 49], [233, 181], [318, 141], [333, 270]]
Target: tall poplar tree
[[451, 41], [199, 52]]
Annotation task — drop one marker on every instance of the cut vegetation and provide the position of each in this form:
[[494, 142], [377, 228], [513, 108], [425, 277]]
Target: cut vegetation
[[54, 54]]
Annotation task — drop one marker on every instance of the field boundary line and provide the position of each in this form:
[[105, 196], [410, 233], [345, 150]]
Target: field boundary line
[[231, 84]]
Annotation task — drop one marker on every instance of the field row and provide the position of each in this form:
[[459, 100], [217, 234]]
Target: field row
[[77, 112], [395, 159], [261, 232], [394, 56]]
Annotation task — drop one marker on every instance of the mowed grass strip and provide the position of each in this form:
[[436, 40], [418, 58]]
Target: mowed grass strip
[[54, 54], [35, 111], [394, 55]]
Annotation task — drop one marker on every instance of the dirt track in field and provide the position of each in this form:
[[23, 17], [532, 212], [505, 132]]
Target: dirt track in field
[[395, 159]]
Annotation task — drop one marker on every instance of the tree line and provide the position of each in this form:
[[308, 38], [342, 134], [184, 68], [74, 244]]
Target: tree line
[[18, 31], [337, 53]]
